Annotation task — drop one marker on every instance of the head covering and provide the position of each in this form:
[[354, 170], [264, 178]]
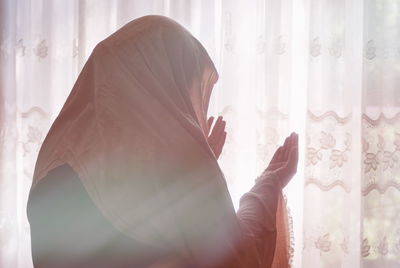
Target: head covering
[[133, 128]]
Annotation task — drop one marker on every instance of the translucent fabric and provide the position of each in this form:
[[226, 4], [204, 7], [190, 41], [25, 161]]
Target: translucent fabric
[[134, 129]]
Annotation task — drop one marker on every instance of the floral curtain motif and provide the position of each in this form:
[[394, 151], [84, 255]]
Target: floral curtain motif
[[327, 189], [381, 153], [381, 188], [351, 198], [328, 145], [380, 136]]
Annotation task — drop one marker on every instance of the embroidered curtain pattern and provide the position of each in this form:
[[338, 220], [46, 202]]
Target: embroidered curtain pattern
[[326, 69]]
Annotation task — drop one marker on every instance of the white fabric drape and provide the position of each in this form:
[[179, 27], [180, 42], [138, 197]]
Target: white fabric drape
[[326, 69]]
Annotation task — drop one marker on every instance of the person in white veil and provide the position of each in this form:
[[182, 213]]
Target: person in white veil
[[128, 174]]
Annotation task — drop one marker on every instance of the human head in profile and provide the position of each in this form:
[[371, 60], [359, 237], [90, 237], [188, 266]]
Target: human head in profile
[[128, 174]]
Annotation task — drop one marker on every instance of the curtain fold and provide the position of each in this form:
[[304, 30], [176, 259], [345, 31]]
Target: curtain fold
[[326, 69]]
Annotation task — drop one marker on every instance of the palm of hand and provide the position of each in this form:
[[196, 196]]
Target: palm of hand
[[217, 135], [284, 162]]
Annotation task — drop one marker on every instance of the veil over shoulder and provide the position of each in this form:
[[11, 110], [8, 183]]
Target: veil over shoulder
[[133, 128]]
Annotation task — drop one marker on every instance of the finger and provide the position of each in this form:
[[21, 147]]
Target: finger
[[286, 141], [293, 137], [293, 160], [296, 140], [293, 142], [287, 172], [209, 123], [223, 125], [216, 125], [219, 119], [224, 137], [276, 155], [219, 128], [290, 143], [222, 140], [281, 157], [220, 145], [286, 149]]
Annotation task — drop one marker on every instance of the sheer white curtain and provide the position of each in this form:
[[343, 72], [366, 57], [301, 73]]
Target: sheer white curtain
[[326, 69], [352, 171]]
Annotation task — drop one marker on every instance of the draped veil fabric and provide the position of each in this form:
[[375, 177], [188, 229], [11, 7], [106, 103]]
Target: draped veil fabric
[[134, 129]]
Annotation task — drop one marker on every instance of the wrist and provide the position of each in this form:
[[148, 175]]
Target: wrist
[[270, 176]]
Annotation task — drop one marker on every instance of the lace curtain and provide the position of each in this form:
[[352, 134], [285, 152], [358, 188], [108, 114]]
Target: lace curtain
[[326, 69]]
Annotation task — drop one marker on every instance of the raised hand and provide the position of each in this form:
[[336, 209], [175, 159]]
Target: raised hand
[[284, 162], [216, 139]]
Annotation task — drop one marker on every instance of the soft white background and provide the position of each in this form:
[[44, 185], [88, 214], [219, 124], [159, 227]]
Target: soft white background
[[328, 69]]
